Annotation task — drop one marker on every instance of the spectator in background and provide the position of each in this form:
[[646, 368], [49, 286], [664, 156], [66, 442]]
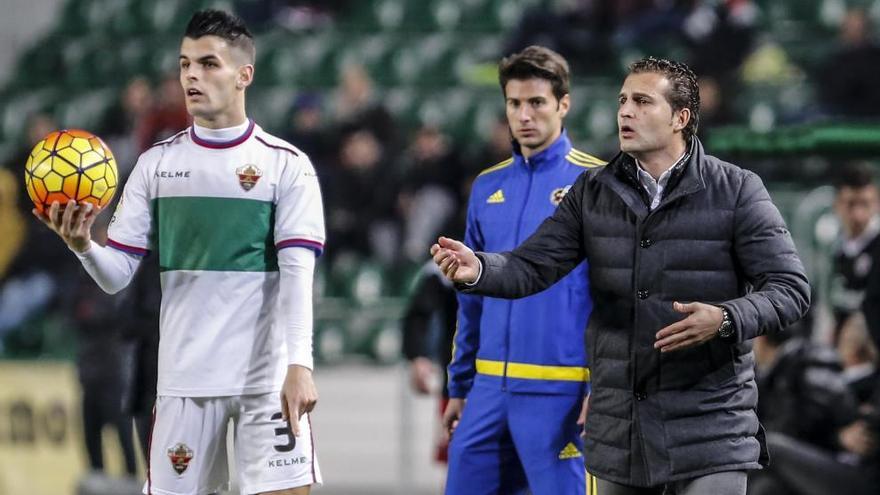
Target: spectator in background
[[859, 357], [846, 460], [638, 22], [37, 125], [357, 107], [167, 115], [103, 366], [715, 105], [13, 231], [138, 315], [12, 226], [431, 170], [720, 35], [579, 30], [123, 122], [497, 148], [802, 388], [37, 269], [428, 331], [360, 199], [291, 14], [856, 204], [849, 79], [307, 129]]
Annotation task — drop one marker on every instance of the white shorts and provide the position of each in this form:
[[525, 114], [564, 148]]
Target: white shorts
[[188, 446]]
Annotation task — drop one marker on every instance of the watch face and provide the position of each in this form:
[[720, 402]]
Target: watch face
[[725, 330]]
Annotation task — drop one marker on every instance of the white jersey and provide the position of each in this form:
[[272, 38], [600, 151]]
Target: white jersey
[[217, 213]]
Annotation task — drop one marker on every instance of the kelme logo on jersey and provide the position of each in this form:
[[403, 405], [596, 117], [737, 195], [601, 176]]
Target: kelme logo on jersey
[[557, 195], [180, 455], [248, 176]]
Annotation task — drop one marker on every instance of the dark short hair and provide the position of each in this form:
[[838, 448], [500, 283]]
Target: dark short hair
[[536, 62], [854, 176], [684, 91], [230, 27]]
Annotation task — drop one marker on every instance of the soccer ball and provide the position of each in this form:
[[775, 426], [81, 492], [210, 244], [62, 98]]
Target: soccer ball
[[70, 165]]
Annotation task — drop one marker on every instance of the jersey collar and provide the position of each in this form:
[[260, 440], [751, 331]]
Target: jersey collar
[[222, 144], [551, 155]]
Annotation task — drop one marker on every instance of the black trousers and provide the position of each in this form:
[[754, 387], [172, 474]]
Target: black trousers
[[723, 483]]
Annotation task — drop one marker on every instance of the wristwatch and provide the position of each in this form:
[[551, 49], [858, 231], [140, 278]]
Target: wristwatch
[[725, 330]]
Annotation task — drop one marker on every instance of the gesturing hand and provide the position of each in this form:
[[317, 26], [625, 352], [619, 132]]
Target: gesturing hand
[[457, 262], [298, 395], [73, 224], [699, 326]]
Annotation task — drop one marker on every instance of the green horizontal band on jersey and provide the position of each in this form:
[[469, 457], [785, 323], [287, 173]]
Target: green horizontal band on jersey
[[217, 234]]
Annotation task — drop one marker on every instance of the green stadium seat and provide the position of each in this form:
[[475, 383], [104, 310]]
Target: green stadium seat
[[17, 110], [86, 110]]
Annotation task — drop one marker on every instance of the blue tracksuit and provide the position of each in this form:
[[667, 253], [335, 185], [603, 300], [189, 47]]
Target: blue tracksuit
[[522, 363]]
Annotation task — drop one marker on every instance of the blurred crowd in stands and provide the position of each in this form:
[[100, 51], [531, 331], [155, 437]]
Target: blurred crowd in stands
[[390, 189]]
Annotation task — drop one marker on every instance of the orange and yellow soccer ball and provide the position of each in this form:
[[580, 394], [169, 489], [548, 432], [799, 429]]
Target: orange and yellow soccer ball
[[70, 165]]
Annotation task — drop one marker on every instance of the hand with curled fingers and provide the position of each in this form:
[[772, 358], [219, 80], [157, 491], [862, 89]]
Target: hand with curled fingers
[[700, 325], [457, 261], [452, 416], [72, 222], [298, 395]]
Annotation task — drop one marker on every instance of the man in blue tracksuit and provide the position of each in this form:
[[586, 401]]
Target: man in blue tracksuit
[[519, 374]]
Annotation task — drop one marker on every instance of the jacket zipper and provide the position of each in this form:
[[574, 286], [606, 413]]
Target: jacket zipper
[[516, 241]]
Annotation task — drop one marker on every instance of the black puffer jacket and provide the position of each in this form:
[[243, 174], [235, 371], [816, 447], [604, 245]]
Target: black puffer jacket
[[715, 237]]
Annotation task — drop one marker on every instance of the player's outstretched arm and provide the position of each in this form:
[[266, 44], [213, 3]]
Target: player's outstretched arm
[[73, 223], [457, 262]]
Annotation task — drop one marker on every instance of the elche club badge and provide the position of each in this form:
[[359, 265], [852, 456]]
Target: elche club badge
[[180, 455], [557, 195], [248, 175]]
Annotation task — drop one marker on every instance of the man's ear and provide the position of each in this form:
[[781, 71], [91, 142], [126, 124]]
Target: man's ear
[[245, 76], [564, 105], [681, 119]]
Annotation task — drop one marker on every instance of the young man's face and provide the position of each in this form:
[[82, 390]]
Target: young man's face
[[533, 112], [645, 119], [855, 207], [213, 75]]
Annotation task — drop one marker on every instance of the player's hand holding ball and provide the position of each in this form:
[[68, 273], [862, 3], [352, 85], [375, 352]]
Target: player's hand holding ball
[[70, 176], [457, 261]]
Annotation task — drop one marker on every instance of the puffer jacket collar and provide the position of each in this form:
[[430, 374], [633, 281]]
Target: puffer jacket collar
[[621, 176]]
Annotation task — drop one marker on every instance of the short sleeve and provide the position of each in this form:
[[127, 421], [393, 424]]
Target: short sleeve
[[132, 223], [299, 213]]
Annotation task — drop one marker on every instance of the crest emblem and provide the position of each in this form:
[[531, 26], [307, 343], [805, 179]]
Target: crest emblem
[[180, 455], [248, 176], [557, 195]]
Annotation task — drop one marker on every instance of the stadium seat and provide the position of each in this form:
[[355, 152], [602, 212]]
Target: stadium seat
[[86, 110]]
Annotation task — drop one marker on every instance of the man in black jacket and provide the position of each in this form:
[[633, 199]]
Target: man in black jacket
[[665, 225]]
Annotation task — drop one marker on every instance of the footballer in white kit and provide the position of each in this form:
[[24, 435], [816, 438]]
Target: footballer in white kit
[[235, 216]]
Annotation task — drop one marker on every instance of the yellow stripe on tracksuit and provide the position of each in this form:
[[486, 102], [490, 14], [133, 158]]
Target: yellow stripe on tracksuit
[[592, 485], [533, 371]]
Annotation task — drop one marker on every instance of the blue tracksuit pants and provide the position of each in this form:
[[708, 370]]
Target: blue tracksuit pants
[[507, 443]]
